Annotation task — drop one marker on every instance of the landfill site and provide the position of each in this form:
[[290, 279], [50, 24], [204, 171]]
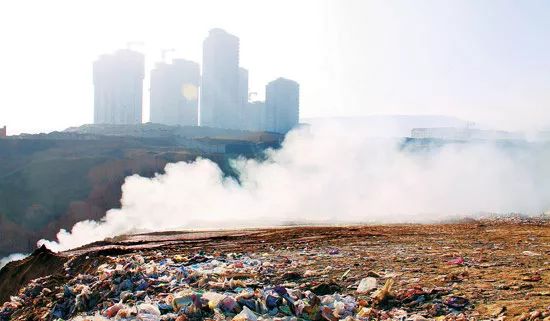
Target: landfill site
[[491, 269]]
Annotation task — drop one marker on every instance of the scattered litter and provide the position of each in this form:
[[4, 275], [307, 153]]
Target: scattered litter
[[222, 287], [456, 261], [456, 302], [381, 294], [407, 281], [366, 285], [343, 277]]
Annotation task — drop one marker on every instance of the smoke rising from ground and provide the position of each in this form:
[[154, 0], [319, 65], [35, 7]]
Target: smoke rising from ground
[[330, 174], [10, 258]]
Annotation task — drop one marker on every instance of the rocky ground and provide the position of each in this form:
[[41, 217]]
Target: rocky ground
[[490, 269]]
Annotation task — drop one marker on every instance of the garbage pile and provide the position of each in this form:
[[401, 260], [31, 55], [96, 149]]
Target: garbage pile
[[230, 286]]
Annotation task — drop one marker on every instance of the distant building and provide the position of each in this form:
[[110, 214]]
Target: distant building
[[543, 135], [255, 116], [174, 93], [463, 134], [243, 99], [220, 80], [118, 88], [282, 100], [3, 132]]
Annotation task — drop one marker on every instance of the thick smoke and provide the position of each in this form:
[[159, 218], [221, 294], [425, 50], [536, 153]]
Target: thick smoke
[[331, 175], [10, 258]]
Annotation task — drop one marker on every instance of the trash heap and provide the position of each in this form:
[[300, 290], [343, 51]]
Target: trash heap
[[224, 287]]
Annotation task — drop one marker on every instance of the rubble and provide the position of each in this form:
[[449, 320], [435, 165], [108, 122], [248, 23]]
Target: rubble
[[417, 272]]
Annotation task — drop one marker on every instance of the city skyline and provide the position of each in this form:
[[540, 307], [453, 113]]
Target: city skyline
[[468, 59], [175, 87]]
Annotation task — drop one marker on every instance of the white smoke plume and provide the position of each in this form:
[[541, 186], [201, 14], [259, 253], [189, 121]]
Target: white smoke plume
[[330, 175], [11, 258]]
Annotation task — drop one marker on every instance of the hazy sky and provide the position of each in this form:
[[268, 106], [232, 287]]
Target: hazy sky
[[485, 61]]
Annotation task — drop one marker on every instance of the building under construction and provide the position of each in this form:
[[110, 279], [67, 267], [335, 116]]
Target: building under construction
[[175, 93]]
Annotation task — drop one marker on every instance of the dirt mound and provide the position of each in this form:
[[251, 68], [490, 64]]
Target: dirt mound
[[40, 263]]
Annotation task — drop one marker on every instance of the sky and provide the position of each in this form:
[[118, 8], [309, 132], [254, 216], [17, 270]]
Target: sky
[[483, 61]]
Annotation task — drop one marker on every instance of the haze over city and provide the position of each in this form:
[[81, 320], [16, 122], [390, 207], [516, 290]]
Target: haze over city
[[352, 58]]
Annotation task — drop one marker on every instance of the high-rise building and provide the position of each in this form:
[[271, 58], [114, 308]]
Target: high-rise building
[[174, 93], [220, 80], [118, 88], [243, 98], [3, 132], [282, 100]]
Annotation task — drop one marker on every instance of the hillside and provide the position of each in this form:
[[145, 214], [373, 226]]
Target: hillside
[[52, 181]]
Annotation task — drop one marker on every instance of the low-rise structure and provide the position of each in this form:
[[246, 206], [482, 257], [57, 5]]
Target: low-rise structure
[[255, 116], [453, 133]]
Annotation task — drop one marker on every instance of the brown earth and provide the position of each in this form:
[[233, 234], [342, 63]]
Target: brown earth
[[51, 181], [505, 268]]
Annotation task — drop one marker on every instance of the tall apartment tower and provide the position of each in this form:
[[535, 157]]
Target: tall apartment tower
[[220, 80], [174, 93], [243, 99], [282, 101], [3, 132], [118, 88]]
